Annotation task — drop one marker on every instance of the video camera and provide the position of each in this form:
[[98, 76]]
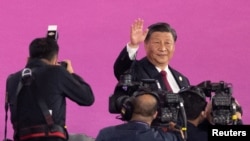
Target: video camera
[[224, 106], [170, 105]]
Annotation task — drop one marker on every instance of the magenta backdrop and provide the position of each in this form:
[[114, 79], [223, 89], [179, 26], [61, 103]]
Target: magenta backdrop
[[213, 44]]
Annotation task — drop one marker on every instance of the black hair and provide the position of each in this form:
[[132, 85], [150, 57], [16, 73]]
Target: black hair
[[161, 27], [194, 102], [43, 48]]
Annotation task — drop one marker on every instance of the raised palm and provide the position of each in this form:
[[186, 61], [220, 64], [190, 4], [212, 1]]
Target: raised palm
[[137, 33]]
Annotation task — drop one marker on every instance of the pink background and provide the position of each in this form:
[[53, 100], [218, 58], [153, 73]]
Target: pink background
[[213, 44]]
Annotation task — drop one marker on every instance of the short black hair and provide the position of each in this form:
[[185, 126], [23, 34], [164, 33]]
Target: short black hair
[[43, 48], [161, 27], [194, 102]]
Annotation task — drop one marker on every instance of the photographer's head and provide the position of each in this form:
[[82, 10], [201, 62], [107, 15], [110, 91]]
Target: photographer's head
[[44, 48], [160, 44], [195, 104], [142, 106]]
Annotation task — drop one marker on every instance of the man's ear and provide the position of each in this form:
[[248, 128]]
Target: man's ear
[[204, 114], [155, 115]]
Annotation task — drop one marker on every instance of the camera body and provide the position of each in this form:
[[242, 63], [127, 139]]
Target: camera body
[[224, 105], [169, 108], [169, 103]]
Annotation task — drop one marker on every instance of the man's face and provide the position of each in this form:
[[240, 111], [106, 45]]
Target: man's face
[[160, 48]]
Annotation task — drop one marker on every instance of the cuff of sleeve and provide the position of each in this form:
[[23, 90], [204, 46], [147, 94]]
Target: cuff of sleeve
[[132, 52]]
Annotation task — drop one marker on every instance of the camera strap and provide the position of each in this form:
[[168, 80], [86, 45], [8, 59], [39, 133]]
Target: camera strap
[[6, 107], [27, 79]]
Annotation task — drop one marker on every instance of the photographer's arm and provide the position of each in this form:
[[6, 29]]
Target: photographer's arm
[[76, 88], [69, 66]]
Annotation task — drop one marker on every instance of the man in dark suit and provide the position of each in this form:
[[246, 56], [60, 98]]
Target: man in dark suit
[[199, 114], [159, 43], [139, 110]]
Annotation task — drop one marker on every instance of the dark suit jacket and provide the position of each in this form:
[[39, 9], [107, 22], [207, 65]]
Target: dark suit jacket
[[143, 69], [133, 131]]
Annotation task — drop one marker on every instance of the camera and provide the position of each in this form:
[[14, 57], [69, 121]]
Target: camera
[[224, 105], [52, 32], [63, 64], [170, 107], [125, 89]]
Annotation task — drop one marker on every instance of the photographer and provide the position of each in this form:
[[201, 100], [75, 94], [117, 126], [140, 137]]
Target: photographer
[[199, 113], [138, 111], [38, 108], [195, 107]]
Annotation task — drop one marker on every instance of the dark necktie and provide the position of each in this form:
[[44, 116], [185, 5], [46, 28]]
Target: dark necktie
[[165, 80]]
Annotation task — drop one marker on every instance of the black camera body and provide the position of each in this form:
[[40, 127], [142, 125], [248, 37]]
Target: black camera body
[[169, 108], [224, 105], [169, 103]]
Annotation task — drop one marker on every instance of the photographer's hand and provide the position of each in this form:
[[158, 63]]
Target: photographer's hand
[[137, 34], [209, 113], [69, 66]]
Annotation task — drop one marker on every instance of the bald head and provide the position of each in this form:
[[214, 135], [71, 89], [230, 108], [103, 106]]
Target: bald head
[[145, 105]]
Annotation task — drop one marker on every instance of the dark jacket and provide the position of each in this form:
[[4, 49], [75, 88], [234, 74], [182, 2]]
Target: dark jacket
[[53, 84], [196, 133], [133, 131]]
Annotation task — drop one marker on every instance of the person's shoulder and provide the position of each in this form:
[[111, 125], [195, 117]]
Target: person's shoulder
[[143, 60], [178, 73], [168, 135], [14, 75], [56, 69], [116, 127], [175, 71], [107, 130]]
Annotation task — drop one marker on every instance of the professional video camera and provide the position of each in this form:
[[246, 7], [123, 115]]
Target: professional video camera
[[170, 109], [224, 106], [170, 105]]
